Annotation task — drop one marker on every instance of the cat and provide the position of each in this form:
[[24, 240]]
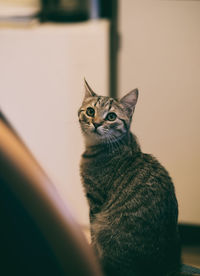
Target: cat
[[132, 201]]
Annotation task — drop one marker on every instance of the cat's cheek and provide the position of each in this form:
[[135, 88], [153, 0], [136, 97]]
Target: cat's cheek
[[84, 129]]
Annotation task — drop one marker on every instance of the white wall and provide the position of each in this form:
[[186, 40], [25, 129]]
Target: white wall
[[41, 88], [160, 55]]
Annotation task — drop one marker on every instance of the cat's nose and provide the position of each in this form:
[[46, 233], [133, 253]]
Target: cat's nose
[[96, 125]]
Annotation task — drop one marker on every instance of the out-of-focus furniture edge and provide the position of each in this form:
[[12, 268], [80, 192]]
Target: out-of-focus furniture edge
[[31, 186], [190, 234]]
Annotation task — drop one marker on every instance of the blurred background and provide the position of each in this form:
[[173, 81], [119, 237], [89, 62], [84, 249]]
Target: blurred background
[[47, 47]]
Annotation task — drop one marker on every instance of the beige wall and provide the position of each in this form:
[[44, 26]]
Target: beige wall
[[160, 55]]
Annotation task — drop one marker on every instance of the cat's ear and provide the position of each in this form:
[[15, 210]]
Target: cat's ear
[[129, 101], [88, 90]]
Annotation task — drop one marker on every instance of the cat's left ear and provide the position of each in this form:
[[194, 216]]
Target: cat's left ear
[[88, 90], [129, 101]]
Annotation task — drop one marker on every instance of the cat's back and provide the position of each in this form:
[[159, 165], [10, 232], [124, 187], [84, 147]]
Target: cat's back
[[143, 184], [139, 216]]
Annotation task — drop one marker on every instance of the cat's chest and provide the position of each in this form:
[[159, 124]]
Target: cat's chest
[[102, 173], [97, 171]]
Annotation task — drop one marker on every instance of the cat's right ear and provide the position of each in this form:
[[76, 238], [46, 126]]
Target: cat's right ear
[[88, 90]]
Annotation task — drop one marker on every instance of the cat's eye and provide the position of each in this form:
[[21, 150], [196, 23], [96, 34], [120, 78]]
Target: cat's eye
[[90, 112], [111, 116]]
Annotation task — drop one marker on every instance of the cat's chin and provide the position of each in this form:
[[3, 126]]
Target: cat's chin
[[93, 139]]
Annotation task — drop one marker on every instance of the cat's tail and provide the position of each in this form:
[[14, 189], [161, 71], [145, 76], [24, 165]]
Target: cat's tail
[[185, 274], [185, 270]]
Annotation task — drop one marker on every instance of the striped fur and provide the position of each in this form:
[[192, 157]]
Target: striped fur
[[133, 207]]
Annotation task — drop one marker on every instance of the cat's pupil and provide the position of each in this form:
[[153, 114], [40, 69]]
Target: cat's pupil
[[111, 116], [90, 112]]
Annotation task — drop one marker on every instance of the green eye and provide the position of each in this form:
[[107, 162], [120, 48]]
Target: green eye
[[111, 116], [90, 112]]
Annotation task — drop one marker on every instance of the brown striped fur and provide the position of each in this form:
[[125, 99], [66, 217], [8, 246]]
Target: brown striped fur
[[133, 207]]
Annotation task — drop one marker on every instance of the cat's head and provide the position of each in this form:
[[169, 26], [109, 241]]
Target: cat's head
[[104, 119]]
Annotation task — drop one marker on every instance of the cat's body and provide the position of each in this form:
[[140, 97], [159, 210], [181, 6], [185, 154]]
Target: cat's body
[[133, 207]]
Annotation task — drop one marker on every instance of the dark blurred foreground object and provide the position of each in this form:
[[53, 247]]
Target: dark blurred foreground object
[[37, 233], [65, 10]]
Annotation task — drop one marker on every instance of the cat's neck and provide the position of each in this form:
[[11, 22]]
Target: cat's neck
[[127, 144]]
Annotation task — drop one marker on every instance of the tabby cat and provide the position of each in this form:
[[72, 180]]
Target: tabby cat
[[133, 207]]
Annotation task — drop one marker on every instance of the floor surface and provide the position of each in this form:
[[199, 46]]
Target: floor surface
[[191, 255]]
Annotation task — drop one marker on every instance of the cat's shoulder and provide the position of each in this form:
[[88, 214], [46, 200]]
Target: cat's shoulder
[[152, 163]]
